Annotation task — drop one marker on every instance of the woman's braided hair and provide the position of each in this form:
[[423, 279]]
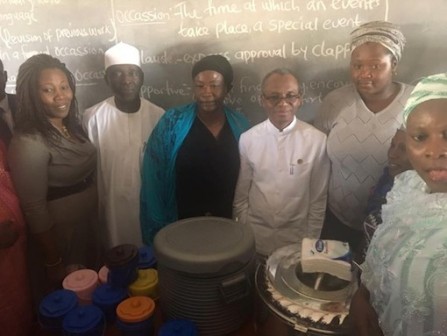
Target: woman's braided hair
[[31, 116]]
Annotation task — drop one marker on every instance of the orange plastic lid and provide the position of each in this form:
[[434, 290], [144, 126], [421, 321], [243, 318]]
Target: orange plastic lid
[[135, 309]]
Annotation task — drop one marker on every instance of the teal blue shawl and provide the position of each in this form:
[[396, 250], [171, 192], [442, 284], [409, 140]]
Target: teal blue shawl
[[158, 205]]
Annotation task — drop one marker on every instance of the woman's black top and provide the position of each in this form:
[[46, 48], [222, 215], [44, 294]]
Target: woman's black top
[[206, 172]]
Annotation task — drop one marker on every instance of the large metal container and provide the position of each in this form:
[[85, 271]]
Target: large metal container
[[205, 268], [283, 296]]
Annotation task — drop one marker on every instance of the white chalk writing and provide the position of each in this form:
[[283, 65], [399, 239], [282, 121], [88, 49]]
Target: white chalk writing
[[286, 6], [336, 51], [197, 31], [17, 17], [168, 89], [82, 76], [355, 4], [213, 9], [341, 22], [249, 56], [302, 24], [152, 16], [67, 33], [162, 58], [11, 40], [183, 12], [224, 28], [309, 36], [77, 51]]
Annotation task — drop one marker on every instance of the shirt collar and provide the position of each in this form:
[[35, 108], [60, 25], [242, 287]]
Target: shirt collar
[[286, 130]]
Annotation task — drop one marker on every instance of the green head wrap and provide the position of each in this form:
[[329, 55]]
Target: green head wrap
[[429, 88]]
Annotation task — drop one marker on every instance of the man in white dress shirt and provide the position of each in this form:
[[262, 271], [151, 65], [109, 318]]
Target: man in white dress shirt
[[119, 127], [282, 186]]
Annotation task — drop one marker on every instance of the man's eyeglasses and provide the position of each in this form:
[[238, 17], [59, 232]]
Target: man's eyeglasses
[[290, 98]]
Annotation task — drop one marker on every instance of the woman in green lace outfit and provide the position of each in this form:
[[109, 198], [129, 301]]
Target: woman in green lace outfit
[[404, 282]]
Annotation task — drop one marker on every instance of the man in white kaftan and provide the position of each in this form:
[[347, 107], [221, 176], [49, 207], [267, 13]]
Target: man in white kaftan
[[282, 186], [119, 127]]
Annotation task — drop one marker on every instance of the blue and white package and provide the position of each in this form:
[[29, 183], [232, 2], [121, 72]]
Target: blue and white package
[[326, 256]]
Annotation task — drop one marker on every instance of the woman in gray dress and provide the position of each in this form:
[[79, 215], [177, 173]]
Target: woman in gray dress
[[360, 120], [53, 167]]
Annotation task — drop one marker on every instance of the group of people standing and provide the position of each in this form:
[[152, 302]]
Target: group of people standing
[[123, 169]]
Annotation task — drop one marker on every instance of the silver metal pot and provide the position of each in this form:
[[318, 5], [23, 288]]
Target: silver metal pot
[[272, 319]]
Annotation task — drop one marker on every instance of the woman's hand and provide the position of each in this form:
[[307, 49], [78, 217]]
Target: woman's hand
[[8, 234], [53, 262], [363, 317]]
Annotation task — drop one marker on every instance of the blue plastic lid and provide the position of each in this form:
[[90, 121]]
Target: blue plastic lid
[[58, 303], [107, 295], [178, 328], [83, 319], [147, 257]]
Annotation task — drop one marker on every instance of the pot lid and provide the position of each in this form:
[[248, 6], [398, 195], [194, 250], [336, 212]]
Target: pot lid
[[205, 245]]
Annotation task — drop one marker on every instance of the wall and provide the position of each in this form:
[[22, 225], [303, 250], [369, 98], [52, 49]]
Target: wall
[[309, 36]]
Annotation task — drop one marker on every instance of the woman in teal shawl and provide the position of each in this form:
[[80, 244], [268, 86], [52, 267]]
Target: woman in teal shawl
[[191, 162]]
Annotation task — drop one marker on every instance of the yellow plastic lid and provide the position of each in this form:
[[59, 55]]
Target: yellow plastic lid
[[146, 283], [135, 309], [146, 278]]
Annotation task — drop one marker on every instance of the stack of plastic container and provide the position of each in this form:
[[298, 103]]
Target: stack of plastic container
[[87, 320], [94, 303], [83, 282], [128, 271], [54, 307], [135, 316]]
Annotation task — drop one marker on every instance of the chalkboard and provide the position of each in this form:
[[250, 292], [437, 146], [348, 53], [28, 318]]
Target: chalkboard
[[308, 36]]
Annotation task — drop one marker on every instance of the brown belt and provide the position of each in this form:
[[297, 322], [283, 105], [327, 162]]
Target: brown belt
[[59, 192]]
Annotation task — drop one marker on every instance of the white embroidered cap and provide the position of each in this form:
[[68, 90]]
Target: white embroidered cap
[[122, 53]]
